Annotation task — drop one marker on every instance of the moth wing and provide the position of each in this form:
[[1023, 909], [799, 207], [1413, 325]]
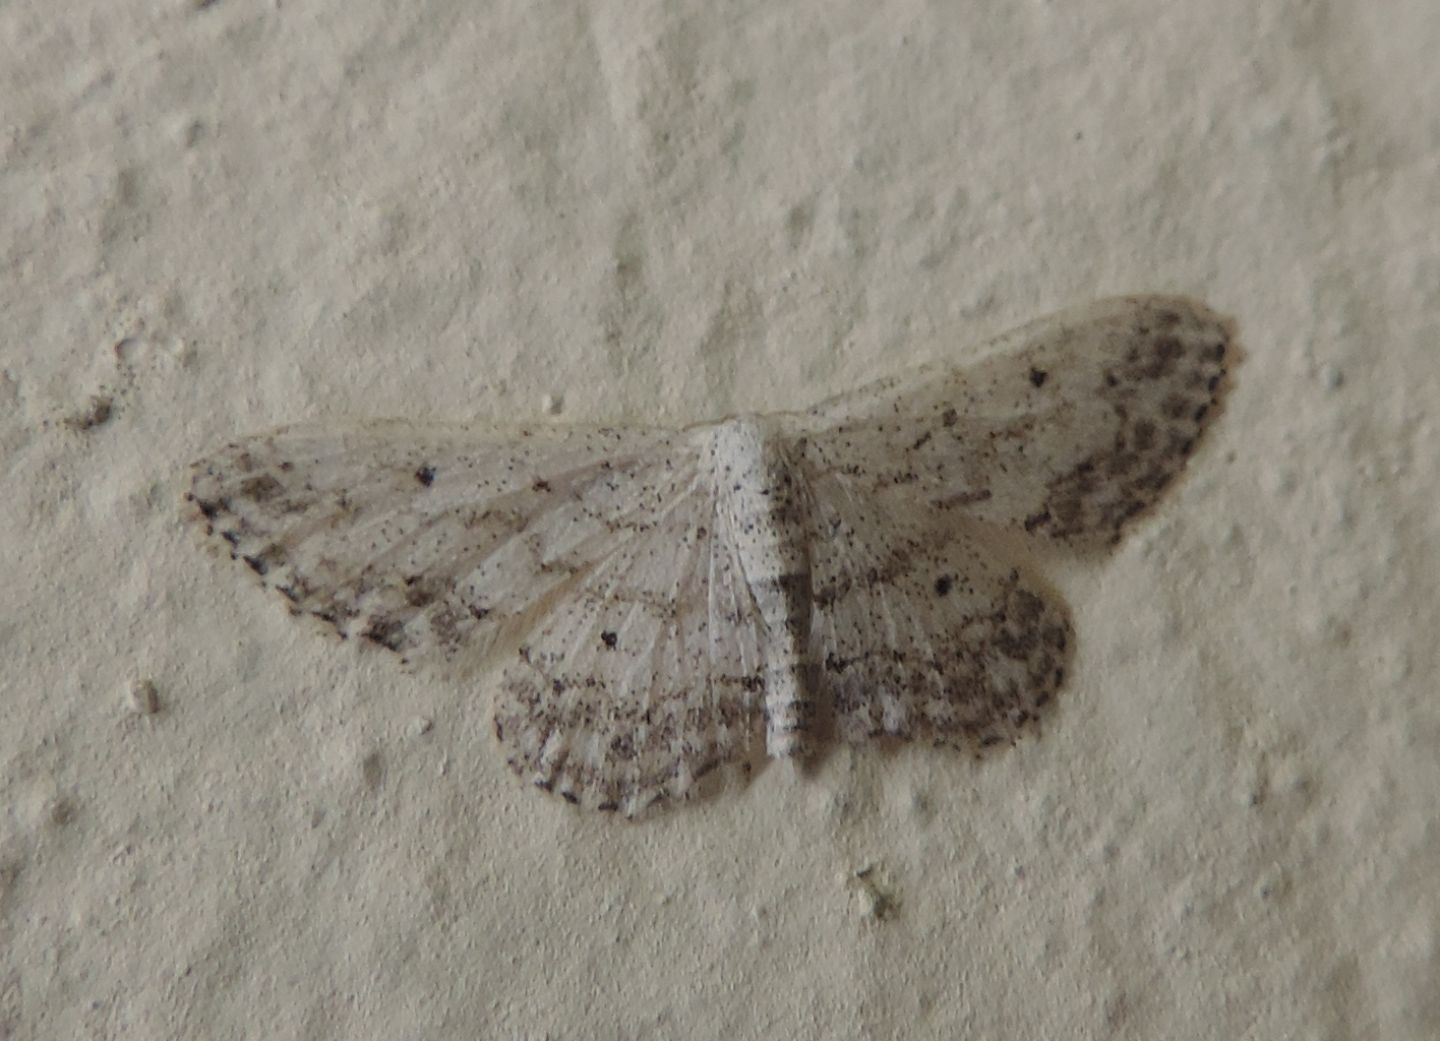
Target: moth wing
[[647, 674], [1068, 426], [431, 541], [919, 633]]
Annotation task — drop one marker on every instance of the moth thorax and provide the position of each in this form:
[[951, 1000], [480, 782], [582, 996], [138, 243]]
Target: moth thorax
[[763, 501], [759, 489]]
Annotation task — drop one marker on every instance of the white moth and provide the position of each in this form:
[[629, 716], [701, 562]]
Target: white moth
[[663, 601]]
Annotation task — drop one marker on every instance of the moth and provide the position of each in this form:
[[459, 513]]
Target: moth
[[653, 603]]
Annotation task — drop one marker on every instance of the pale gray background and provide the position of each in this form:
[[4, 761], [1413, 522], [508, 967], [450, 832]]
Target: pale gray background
[[227, 216]]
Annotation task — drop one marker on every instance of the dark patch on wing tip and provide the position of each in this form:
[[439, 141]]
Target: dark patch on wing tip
[[261, 489], [1174, 406], [386, 632], [1038, 378], [1036, 520], [569, 796], [256, 565], [425, 475]]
